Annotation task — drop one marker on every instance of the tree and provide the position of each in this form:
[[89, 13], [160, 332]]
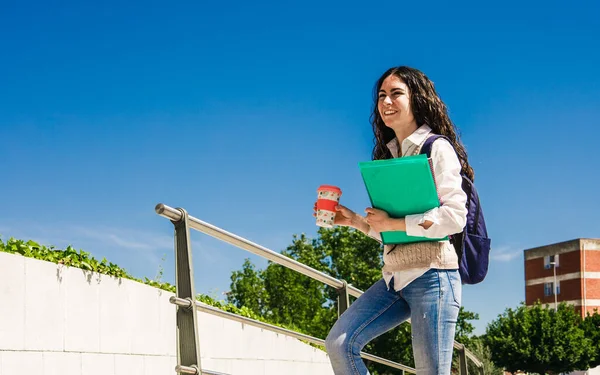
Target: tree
[[284, 296], [248, 285], [287, 297], [591, 327], [478, 347], [538, 339], [464, 329]]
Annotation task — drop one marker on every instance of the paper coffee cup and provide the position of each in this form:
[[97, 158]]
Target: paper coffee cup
[[327, 198]]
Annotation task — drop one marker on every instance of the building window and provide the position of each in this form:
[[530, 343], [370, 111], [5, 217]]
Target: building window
[[549, 289], [549, 260]]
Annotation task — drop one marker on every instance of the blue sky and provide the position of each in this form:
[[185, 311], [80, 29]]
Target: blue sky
[[108, 109]]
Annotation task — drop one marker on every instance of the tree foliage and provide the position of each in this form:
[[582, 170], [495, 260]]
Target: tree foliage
[[540, 340], [478, 347], [591, 327], [464, 327]]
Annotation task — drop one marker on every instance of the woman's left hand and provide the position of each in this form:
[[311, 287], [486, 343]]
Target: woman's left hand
[[378, 220]]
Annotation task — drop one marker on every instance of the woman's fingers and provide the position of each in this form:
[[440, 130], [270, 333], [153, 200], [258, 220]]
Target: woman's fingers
[[344, 210]]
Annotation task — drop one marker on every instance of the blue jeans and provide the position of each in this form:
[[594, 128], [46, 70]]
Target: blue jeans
[[431, 302]]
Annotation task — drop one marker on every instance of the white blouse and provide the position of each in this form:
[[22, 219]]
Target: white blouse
[[450, 217]]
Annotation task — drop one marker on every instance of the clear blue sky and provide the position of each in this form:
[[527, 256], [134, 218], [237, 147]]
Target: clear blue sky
[[108, 109]]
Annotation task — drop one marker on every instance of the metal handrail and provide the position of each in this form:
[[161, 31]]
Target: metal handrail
[[471, 356], [204, 227], [175, 215]]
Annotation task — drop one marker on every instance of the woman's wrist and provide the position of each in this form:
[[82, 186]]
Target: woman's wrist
[[396, 224], [358, 222]]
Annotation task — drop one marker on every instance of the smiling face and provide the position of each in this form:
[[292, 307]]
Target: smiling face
[[394, 105]]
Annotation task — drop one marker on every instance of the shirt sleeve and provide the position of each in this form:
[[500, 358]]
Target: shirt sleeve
[[374, 235], [451, 216]]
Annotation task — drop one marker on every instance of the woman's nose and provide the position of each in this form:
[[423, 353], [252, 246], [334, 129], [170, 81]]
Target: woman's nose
[[387, 100]]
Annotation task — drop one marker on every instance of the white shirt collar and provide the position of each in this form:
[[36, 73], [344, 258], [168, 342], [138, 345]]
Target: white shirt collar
[[416, 138]]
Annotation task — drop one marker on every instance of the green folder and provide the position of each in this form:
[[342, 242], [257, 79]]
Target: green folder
[[401, 186]]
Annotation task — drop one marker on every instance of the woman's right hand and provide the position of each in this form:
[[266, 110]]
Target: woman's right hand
[[343, 215]]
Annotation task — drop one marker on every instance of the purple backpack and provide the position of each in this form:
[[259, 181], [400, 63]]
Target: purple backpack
[[472, 245]]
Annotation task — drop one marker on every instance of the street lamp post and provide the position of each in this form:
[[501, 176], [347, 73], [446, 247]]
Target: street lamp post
[[555, 287]]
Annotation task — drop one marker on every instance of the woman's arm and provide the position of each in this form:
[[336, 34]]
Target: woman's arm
[[346, 217], [360, 223], [451, 216]]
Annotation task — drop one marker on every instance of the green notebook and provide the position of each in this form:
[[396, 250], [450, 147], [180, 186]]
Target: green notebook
[[400, 187]]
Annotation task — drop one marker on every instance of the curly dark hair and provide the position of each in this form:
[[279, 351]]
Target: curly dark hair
[[427, 108]]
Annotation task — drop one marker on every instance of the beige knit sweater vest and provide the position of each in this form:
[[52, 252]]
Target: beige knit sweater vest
[[436, 254]]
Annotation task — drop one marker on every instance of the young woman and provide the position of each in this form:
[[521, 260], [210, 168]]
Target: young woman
[[420, 280]]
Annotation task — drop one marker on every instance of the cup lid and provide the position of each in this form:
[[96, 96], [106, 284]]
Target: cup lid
[[332, 188]]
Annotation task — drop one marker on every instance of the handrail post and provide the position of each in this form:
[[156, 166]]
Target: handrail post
[[343, 298], [462, 359], [188, 340]]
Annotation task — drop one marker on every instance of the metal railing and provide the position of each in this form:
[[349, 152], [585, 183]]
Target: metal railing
[[188, 347]]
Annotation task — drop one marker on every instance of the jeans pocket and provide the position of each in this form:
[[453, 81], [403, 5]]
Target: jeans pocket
[[455, 286]]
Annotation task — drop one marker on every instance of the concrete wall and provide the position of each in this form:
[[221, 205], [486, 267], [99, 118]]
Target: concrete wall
[[61, 320]]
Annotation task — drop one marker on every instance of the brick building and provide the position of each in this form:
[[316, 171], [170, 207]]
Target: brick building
[[577, 266]]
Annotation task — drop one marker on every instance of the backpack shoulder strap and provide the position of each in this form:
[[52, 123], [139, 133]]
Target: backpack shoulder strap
[[428, 144]]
